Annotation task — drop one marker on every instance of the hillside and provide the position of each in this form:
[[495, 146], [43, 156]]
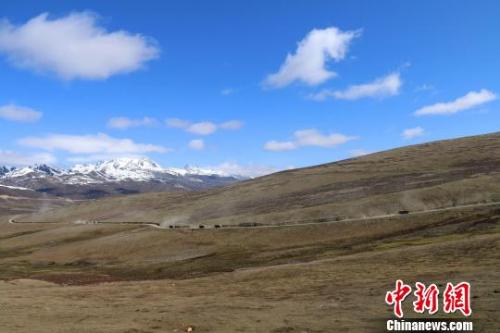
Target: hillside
[[19, 200], [431, 175]]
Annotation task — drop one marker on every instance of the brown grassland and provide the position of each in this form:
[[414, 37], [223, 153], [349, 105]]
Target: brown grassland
[[330, 276]]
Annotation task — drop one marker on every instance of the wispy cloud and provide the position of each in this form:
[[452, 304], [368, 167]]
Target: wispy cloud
[[468, 101], [411, 133], [204, 127], [177, 123], [274, 145], [11, 158], [200, 128], [308, 63], [248, 170], [231, 125], [382, 87], [312, 137], [90, 144], [74, 47], [18, 113], [196, 144], [101, 157], [358, 152], [124, 122], [309, 137]]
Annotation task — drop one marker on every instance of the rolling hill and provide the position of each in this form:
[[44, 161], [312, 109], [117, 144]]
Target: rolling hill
[[426, 176]]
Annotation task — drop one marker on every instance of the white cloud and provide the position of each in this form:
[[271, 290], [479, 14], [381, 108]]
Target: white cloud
[[124, 122], [280, 145], [74, 47], [11, 158], [411, 133], [470, 100], [204, 127], [309, 137], [250, 170], [358, 152], [101, 157], [231, 125], [381, 87], [177, 123], [308, 63], [91, 144], [19, 113], [197, 144]]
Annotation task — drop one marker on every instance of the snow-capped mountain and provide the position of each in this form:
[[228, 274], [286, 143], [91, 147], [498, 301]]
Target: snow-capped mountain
[[117, 176], [120, 169], [138, 169]]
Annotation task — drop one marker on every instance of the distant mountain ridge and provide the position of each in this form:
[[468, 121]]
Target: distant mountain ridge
[[117, 176]]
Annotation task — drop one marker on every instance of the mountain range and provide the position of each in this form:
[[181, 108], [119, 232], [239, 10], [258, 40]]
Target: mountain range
[[112, 177]]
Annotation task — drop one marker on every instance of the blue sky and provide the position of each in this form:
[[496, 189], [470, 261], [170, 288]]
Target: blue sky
[[209, 83]]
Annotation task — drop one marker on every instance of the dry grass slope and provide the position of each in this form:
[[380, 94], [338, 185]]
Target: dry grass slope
[[317, 278], [431, 175]]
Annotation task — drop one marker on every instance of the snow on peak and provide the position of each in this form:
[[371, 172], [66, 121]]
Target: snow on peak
[[131, 164], [38, 169], [122, 163], [194, 170], [119, 169]]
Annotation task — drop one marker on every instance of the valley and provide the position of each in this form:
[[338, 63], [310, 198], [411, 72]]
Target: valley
[[318, 278]]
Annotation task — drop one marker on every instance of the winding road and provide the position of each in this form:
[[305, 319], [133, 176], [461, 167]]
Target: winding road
[[158, 225]]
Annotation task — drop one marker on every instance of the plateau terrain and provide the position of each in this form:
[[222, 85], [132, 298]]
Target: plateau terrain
[[305, 250]]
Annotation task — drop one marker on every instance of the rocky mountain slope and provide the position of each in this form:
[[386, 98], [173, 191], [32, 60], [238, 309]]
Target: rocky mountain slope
[[118, 176]]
